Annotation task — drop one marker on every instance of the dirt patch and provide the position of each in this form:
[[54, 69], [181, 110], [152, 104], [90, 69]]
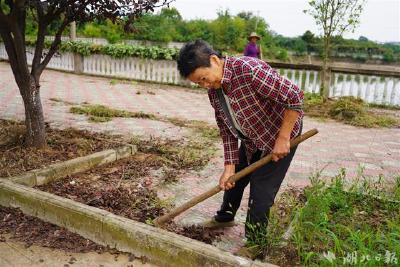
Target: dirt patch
[[125, 188], [101, 113], [122, 188], [32, 230], [62, 145]]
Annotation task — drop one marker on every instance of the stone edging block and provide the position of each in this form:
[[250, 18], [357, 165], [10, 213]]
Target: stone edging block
[[61, 169]]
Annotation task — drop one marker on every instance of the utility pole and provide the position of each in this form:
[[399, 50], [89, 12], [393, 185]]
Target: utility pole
[[72, 31], [78, 58]]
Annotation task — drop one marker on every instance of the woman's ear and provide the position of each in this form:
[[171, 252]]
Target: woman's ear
[[215, 60]]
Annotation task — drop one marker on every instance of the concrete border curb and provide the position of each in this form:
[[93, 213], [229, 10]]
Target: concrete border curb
[[80, 164], [162, 247]]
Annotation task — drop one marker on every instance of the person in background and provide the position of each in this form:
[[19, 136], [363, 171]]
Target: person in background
[[252, 49]]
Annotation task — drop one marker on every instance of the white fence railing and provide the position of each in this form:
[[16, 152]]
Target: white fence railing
[[372, 89], [161, 71], [60, 61]]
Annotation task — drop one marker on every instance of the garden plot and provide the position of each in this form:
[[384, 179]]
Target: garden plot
[[125, 188], [62, 145], [99, 205]]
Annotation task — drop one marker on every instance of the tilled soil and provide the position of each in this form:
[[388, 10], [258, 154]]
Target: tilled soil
[[62, 145], [125, 188], [32, 230]]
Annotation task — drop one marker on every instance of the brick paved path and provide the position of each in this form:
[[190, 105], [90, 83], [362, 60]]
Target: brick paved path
[[337, 145]]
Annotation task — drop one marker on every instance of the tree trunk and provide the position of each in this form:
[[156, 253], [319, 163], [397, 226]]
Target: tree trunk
[[325, 80], [34, 119], [326, 72]]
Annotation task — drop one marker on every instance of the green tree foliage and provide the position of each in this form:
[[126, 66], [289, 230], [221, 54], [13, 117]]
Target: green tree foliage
[[161, 27], [228, 33], [334, 17]]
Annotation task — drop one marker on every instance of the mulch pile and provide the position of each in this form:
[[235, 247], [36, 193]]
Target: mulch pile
[[118, 189]]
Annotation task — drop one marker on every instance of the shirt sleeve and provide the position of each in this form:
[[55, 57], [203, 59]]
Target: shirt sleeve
[[230, 142], [270, 84]]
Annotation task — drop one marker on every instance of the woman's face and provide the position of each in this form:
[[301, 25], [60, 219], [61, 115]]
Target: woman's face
[[253, 39], [209, 77]]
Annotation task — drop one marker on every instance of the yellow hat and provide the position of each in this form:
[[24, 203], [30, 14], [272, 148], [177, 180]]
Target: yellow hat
[[254, 34]]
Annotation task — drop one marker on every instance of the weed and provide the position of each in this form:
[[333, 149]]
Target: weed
[[344, 218], [192, 154], [59, 100], [100, 113], [347, 109], [200, 127], [122, 81], [384, 106]]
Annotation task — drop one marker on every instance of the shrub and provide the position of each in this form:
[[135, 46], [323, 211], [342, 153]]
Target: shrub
[[347, 108], [119, 50]]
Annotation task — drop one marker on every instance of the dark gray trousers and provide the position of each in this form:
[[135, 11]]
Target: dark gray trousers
[[264, 185]]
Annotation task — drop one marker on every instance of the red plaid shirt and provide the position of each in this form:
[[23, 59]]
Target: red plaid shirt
[[258, 96]]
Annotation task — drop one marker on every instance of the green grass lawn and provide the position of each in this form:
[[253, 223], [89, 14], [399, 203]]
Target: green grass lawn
[[357, 224], [343, 223]]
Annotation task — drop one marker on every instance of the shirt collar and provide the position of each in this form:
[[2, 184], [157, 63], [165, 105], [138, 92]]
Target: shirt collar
[[226, 77]]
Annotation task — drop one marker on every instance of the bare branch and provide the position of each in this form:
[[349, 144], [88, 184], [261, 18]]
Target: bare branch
[[53, 47], [41, 35]]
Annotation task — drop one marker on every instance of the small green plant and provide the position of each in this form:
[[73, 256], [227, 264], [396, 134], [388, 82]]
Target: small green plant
[[96, 119], [189, 155], [113, 82], [100, 113], [384, 106], [200, 127], [341, 218], [344, 218]]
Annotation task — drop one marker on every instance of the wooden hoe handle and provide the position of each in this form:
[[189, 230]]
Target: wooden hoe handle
[[160, 221]]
